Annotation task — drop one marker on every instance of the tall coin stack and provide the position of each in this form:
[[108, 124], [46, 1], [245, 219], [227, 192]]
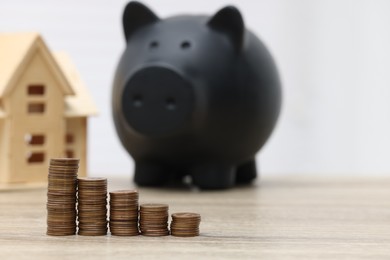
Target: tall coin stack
[[92, 206], [61, 197], [185, 224], [124, 213], [154, 220]]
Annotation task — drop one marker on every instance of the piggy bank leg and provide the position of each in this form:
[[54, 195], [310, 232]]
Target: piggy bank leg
[[213, 176], [149, 174], [246, 172]]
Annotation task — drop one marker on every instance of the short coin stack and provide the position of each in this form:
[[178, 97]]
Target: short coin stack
[[185, 224], [154, 220], [124, 213], [92, 206], [61, 197]]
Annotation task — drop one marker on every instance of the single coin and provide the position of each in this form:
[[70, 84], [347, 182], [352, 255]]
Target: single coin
[[64, 161], [124, 193], [87, 180], [186, 215], [153, 206]]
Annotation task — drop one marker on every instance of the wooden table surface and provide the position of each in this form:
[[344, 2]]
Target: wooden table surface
[[293, 217]]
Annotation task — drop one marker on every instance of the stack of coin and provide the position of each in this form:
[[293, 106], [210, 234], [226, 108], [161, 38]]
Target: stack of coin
[[92, 206], [154, 220], [124, 213], [61, 197], [185, 224]]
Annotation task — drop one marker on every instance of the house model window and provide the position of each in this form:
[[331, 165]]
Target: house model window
[[36, 139], [36, 157], [36, 90], [69, 153], [36, 108], [69, 138]]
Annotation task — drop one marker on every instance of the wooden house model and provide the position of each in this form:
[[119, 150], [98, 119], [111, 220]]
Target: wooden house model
[[44, 109]]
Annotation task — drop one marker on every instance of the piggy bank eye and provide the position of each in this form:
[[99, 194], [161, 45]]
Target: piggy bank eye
[[153, 44], [137, 100], [185, 45]]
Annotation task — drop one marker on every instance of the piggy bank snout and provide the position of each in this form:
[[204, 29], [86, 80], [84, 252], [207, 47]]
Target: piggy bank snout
[[157, 101]]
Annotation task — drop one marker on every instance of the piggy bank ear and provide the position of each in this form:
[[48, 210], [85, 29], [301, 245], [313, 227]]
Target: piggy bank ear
[[135, 16], [229, 20]]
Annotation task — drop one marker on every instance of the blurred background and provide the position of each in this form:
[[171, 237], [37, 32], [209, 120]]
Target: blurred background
[[333, 57]]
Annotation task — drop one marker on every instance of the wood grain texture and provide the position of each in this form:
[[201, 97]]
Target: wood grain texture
[[294, 217]]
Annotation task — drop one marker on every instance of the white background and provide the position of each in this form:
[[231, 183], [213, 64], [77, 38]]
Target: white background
[[333, 57]]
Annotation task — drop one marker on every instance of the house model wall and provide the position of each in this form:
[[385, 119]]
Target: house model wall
[[44, 109]]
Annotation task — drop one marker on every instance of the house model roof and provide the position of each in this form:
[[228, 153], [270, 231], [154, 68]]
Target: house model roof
[[81, 103], [16, 49]]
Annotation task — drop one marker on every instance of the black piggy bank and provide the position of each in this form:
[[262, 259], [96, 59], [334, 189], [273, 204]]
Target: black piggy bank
[[193, 96]]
